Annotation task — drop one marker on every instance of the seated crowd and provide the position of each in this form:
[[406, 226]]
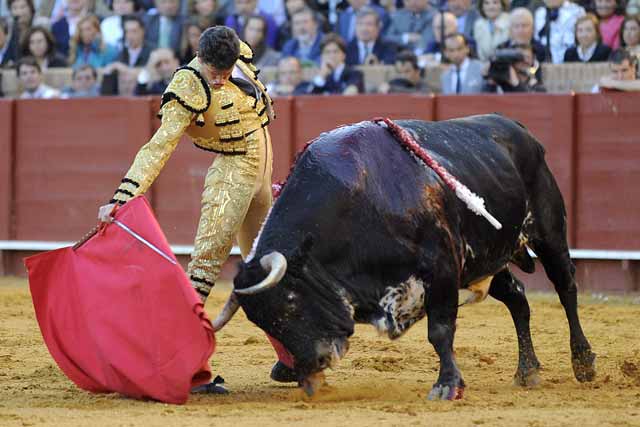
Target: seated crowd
[[132, 47]]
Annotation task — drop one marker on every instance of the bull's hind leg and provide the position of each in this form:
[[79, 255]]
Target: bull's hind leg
[[547, 237], [507, 288], [442, 309]]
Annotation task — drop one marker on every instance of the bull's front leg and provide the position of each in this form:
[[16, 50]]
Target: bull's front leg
[[442, 309]]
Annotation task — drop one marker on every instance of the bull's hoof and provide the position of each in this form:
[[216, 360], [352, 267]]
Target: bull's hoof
[[526, 378], [584, 366], [445, 392], [283, 374]]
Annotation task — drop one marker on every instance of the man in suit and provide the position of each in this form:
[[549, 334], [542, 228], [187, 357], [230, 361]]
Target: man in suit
[[305, 44], [335, 77], [521, 32], [136, 51], [411, 26], [368, 48], [346, 25], [465, 14], [464, 75], [164, 29]]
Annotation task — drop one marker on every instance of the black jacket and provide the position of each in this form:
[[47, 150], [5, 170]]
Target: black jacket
[[601, 54]]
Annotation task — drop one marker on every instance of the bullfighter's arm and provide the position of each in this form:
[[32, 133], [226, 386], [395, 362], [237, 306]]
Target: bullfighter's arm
[[153, 155]]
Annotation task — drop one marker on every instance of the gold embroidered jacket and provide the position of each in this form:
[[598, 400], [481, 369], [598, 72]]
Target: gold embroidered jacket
[[216, 120]]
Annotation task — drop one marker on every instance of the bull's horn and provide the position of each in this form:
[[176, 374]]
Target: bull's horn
[[276, 264], [227, 312]]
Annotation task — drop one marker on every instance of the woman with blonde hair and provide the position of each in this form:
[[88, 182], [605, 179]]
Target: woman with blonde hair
[[492, 29], [87, 46], [589, 46]]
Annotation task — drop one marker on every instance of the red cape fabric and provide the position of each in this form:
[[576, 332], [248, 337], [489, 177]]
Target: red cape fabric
[[118, 317]]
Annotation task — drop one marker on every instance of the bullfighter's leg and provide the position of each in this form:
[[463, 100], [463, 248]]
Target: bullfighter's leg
[[507, 288], [548, 238], [282, 371], [442, 309]]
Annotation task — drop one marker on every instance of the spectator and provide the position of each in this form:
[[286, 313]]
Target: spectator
[[522, 75], [206, 13], [155, 78], [112, 27], [368, 47], [466, 15], [134, 54], [87, 46], [83, 83], [305, 44], [243, 10], [433, 51], [411, 26], [190, 38], [335, 77], [464, 75], [630, 35], [289, 79], [136, 50], [164, 29], [555, 27], [22, 13], [39, 43], [6, 56], [521, 32], [624, 73], [611, 14], [292, 7], [589, 47], [346, 25], [66, 27], [31, 79], [492, 28], [408, 76], [255, 33]]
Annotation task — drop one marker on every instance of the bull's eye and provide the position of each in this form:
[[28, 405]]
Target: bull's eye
[[291, 297]]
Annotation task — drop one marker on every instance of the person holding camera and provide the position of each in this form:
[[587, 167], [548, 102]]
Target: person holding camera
[[464, 75], [514, 70]]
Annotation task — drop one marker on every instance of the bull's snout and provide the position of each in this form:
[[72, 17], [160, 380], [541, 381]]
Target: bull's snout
[[330, 352]]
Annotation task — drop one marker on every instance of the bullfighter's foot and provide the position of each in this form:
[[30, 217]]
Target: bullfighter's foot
[[446, 392], [528, 377], [214, 387], [283, 374], [584, 366]]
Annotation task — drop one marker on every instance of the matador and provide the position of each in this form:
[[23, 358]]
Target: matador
[[219, 102]]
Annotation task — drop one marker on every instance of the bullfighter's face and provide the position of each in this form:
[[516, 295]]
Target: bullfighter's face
[[306, 311]]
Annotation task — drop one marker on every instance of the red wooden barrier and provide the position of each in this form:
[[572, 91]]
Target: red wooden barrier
[[608, 171], [6, 163], [548, 117], [70, 157], [316, 114]]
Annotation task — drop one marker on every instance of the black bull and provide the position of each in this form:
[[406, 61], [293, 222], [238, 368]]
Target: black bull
[[371, 235]]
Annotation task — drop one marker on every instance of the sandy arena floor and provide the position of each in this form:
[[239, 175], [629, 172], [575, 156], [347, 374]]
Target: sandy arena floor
[[379, 382]]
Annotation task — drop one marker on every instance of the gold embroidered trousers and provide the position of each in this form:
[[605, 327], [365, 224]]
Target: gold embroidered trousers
[[235, 202]]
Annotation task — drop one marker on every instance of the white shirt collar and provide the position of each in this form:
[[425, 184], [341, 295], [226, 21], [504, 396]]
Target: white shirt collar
[[585, 56]]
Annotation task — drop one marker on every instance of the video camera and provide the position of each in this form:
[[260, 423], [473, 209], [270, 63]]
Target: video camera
[[500, 64]]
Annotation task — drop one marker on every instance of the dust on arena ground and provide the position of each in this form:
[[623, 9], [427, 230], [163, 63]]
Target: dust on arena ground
[[379, 382]]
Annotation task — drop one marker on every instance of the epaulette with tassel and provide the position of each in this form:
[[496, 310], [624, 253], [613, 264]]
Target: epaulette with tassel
[[190, 89]]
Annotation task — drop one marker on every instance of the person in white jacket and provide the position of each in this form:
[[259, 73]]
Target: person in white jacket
[[492, 29], [555, 27]]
